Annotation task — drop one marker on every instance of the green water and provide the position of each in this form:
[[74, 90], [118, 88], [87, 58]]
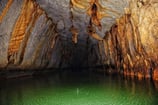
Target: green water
[[77, 89]]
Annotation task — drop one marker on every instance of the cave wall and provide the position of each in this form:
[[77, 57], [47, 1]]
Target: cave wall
[[131, 44], [28, 35]]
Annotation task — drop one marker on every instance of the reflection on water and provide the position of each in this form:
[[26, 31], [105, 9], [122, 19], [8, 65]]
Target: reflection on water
[[70, 88]]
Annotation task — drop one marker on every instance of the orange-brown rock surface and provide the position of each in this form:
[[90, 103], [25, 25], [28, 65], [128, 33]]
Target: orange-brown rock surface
[[20, 32], [131, 42]]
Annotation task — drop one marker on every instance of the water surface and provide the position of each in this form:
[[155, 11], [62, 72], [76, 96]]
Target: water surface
[[74, 88]]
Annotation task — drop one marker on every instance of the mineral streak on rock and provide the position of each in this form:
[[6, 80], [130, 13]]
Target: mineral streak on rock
[[131, 43], [22, 29], [74, 32], [5, 10], [95, 16], [26, 36]]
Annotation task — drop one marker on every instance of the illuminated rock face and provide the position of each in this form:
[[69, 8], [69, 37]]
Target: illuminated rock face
[[25, 30], [80, 33], [131, 43]]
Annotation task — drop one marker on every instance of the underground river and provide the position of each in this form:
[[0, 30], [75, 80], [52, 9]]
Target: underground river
[[77, 88]]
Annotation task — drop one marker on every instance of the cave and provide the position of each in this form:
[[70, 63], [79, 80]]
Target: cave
[[78, 52]]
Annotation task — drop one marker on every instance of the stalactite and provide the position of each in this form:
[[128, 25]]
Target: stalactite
[[92, 32], [73, 30], [93, 12]]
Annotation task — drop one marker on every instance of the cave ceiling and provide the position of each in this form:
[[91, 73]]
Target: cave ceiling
[[81, 18]]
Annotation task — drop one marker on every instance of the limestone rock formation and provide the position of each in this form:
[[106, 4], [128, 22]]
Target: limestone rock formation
[[25, 31], [120, 34], [131, 43]]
